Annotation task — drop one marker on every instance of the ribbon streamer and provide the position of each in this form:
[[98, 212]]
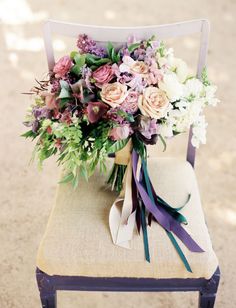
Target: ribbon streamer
[[137, 198]]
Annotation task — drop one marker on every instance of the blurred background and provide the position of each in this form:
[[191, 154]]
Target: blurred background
[[27, 195]]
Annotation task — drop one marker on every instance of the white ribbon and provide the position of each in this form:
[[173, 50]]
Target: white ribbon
[[121, 218]]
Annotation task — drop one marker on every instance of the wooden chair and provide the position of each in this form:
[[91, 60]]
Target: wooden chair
[[77, 253]]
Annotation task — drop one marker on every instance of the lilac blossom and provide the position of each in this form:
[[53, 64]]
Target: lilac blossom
[[87, 45]]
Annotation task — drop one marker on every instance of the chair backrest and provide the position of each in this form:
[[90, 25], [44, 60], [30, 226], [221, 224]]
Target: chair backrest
[[119, 35]]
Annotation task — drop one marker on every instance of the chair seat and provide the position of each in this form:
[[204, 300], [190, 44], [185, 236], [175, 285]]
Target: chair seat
[[77, 241]]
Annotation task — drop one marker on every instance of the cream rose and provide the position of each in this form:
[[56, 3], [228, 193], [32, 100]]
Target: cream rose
[[139, 67], [171, 85], [153, 103], [114, 94], [129, 65]]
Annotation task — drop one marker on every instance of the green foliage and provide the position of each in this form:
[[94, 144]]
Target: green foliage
[[134, 46], [118, 145], [65, 90], [204, 77], [112, 54], [29, 134], [139, 146], [79, 63], [95, 60], [163, 142]]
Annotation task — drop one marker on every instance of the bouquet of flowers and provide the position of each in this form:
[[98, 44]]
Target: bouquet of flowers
[[99, 101]]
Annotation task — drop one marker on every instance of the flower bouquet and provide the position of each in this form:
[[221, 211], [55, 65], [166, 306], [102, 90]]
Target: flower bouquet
[[101, 101]]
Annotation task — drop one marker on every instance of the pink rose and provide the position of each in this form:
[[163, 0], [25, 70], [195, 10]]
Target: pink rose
[[130, 104], [103, 74], [120, 132], [62, 66]]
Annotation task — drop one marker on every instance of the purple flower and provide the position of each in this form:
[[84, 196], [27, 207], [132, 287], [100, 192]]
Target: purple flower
[[87, 45], [35, 126], [113, 115], [147, 129], [139, 54], [40, 113], [95, 110], [87, 75]]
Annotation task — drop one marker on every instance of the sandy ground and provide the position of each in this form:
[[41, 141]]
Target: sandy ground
[[26, 195]]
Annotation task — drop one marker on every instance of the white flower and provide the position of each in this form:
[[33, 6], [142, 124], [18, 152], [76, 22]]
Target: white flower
[[199, 131], [192, 88], [166, 129], [210, 95], [166, 58], [172, 87], [180, 68]]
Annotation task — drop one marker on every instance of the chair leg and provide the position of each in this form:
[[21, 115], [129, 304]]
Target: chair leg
[[208, 293], [46, 290], [206, 300]]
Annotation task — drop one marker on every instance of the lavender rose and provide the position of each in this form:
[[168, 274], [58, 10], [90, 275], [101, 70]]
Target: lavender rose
[[103, 74], [130, 104], [62, 66]]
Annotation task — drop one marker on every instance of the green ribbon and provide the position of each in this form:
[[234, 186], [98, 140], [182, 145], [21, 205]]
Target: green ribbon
[[145, 235], [172, 211]]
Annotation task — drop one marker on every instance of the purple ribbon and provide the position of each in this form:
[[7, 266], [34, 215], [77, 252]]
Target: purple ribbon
[[161, 216]]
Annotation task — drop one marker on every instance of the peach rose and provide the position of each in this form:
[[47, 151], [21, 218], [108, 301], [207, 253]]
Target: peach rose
[[153, 103], [139, 67], [114, 93], [62, 66]]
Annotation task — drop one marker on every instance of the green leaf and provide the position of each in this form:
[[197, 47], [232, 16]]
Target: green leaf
[[95, 60], [204, 77], [76, 69], [139, 146], [134, 46], [73, 53], [63, 102], [163, 142], [67, 178], [29, 134], [65, 89], [118, 145], [110, 47]]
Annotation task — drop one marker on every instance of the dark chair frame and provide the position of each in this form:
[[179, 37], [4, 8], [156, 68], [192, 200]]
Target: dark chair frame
[[49, 285]]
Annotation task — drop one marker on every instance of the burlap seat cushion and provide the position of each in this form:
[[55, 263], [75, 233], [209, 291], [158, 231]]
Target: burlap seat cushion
[[77, 241]]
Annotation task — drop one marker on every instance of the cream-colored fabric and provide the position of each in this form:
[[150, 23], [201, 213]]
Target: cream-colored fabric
[[77, 240]]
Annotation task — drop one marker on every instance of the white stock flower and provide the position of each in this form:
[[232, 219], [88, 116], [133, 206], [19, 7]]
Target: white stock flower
[[172, 87], [199, 132], [210, 95], [192, 88], [180, 68]]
